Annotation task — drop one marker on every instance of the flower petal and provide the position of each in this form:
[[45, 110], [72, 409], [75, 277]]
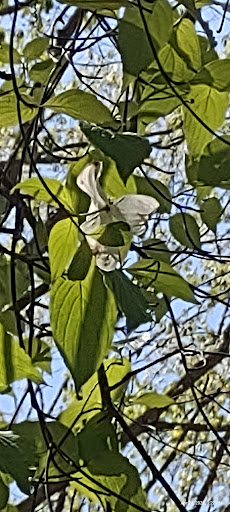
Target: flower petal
[[88, 181], [106, 257], [135, 209]]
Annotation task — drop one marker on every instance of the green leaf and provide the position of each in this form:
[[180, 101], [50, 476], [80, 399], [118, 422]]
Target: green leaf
[[136, 51], [9, 112], [175, 66], [15, 363], [114, 234], [184, 228], [34, 187], [97, 437], [153, 399], [156, 189], [155, 104], [162, 278], [40, 72], [127, 150], [80, 263], [116, 369], [211, 212], [214, 165], [35, 446], [63, 241], [115, 473], [5, 54], [4, 491], [208, 54], [215, 74], [83, 316], [210, 106], [112, 183], [130, 299], [22, 281], [35, 48], [81, 105], [156, 249], [187, 43], [15, 459]]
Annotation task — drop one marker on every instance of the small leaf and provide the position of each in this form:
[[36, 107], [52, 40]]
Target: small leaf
[[35, 188], [156, 189], [153, 399], [211, 212], [63, 241], [15, 363], [40, 72], [127, 150], [184, 228], [83, 316], [35, 48], [129, 298], [81, 105], [112, 183], [210, 106], [5, 54], [9, 112], [162, 278]]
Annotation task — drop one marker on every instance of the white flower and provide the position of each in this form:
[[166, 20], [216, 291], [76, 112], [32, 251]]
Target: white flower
[[134, 209]]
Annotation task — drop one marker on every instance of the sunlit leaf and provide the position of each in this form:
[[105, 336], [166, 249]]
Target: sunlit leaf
[[116, 369], [9, 112], [114, 472], [162, 278], [153, 399], [5, 54], [210, 106], [187, 43], [62, 245], [41, 70], [83, 316], [46, 192], [35, 48], [81, 105], [126, 149], [185, 229], [15, 363]]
